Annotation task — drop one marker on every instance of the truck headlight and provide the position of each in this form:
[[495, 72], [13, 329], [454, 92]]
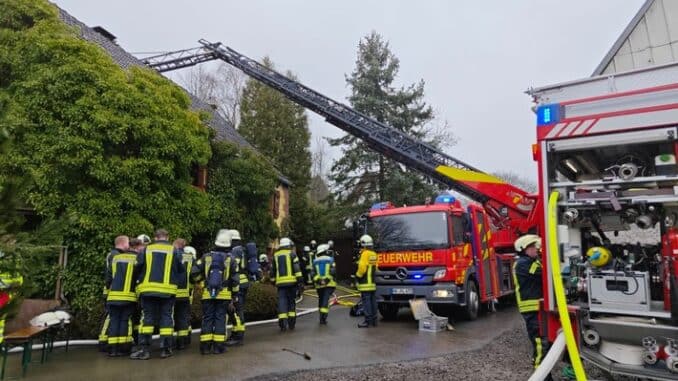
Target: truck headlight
[[441, 294], [440, 274]]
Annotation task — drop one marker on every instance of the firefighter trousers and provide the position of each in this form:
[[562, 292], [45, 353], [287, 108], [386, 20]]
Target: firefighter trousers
[[213, 320], [182, 317], [287, 306], [103, 332], [369, 299], [237, 315], [120, 328], [157, 311], [540, 345], [324, 294]]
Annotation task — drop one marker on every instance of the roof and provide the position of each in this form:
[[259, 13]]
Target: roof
[[651, 38], [106, 40], [224, 130]]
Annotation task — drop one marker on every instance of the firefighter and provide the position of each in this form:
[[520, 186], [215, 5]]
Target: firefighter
[[219, 273], [367, 265], [286, 275], [121, 244], [264, 264], [527, 272], [236, 312], [159, 271], [136, 246], [182, 305], [10, 285], [145, 240], [307, 260], [121, 299], [324, 271]]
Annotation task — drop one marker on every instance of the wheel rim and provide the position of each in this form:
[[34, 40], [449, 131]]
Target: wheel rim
[[473, 302]]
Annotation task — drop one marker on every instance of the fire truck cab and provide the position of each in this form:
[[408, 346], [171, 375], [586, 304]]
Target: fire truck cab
[[440, 251]]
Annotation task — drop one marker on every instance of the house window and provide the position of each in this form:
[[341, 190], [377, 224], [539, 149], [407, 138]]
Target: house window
[[275, 204], [200, 177]]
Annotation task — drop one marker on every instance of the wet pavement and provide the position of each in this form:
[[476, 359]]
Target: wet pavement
[[339, 344]]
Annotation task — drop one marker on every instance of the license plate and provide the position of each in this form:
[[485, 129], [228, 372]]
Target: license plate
[[402, 291]]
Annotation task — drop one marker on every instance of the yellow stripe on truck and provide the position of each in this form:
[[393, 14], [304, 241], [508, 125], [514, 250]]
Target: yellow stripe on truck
[[464, 175]]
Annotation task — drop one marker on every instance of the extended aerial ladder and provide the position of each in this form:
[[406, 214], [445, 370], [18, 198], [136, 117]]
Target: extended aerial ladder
[[511, 208]]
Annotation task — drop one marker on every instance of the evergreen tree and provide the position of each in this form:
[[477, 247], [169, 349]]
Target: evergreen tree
[[362, 176], [278, 128]]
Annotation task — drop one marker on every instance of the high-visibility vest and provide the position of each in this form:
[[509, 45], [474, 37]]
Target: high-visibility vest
[[8, 282], [286, 268], [185, 289], [122, 283], [157, 279], [226, 292], [323, 268], [527, 278], [366, 267]]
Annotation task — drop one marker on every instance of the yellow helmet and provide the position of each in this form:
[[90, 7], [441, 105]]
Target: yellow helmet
[[523, 242], [599, 256]]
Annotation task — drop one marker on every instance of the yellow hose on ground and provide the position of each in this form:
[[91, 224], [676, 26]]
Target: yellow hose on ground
[[554, 262]]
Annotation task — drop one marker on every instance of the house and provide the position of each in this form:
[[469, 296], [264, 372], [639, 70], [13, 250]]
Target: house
[[223, 129], [651, 38]]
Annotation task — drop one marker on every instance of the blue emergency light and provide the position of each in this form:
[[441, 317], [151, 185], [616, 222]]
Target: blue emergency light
[[418, 276], [445, 199], [548, 114]]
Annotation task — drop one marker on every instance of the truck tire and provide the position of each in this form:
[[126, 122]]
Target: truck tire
[[388, 311], [470, 310]]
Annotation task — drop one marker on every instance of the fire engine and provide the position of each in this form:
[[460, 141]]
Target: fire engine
[[608, 199], [444, 252]]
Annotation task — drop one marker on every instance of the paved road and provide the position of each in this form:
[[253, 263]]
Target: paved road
[[337, 345]]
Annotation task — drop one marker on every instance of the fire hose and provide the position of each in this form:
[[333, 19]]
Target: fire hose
[[561, 301], [550, 360]]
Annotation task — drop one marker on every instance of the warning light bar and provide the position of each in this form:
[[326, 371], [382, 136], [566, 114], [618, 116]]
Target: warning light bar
[[548, 114]]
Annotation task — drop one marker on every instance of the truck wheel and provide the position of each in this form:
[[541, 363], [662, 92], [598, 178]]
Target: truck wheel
[[388, 311], [470, 310]]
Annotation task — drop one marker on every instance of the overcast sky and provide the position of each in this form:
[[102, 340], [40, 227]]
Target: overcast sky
[[476, 57]]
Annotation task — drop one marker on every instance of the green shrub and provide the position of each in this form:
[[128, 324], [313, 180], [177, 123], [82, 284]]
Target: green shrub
[[262, 302]]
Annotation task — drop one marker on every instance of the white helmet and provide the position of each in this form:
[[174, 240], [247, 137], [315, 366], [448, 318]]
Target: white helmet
[[223, 238], [366, 241], [263, 258], [330, 243], [235, 235], [525, 241], [322, 248], [306, 248], [285, 243], [313, 242], [190, 250], [144, 239]]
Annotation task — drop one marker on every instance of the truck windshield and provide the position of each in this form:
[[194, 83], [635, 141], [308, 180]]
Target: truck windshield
[[413, 231]]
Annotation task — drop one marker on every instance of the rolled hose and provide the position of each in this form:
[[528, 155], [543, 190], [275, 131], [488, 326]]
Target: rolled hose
[[554, 262], [59, 344], [551, 358]]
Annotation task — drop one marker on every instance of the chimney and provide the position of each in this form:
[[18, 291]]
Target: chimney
[[108, 35]]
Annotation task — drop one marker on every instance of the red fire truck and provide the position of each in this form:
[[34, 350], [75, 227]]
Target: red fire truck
[[609, 198], [448, 254]]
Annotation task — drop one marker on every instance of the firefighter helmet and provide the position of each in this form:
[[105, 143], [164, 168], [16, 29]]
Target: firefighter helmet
[[307, 249], [599, 256], [366, 241], [285, 243], [526, 241], [145, 239], [190, 250], [322, 249], [235, 234], [263, 258], [223, 238]]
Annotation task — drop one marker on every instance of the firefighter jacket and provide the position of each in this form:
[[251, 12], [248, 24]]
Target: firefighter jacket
[[238, 253], [160, 270], [231, 284], [324, 271], [367, 264], [185, 287], [113, 252], [527, 277], [121, 277], [285, 268]]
